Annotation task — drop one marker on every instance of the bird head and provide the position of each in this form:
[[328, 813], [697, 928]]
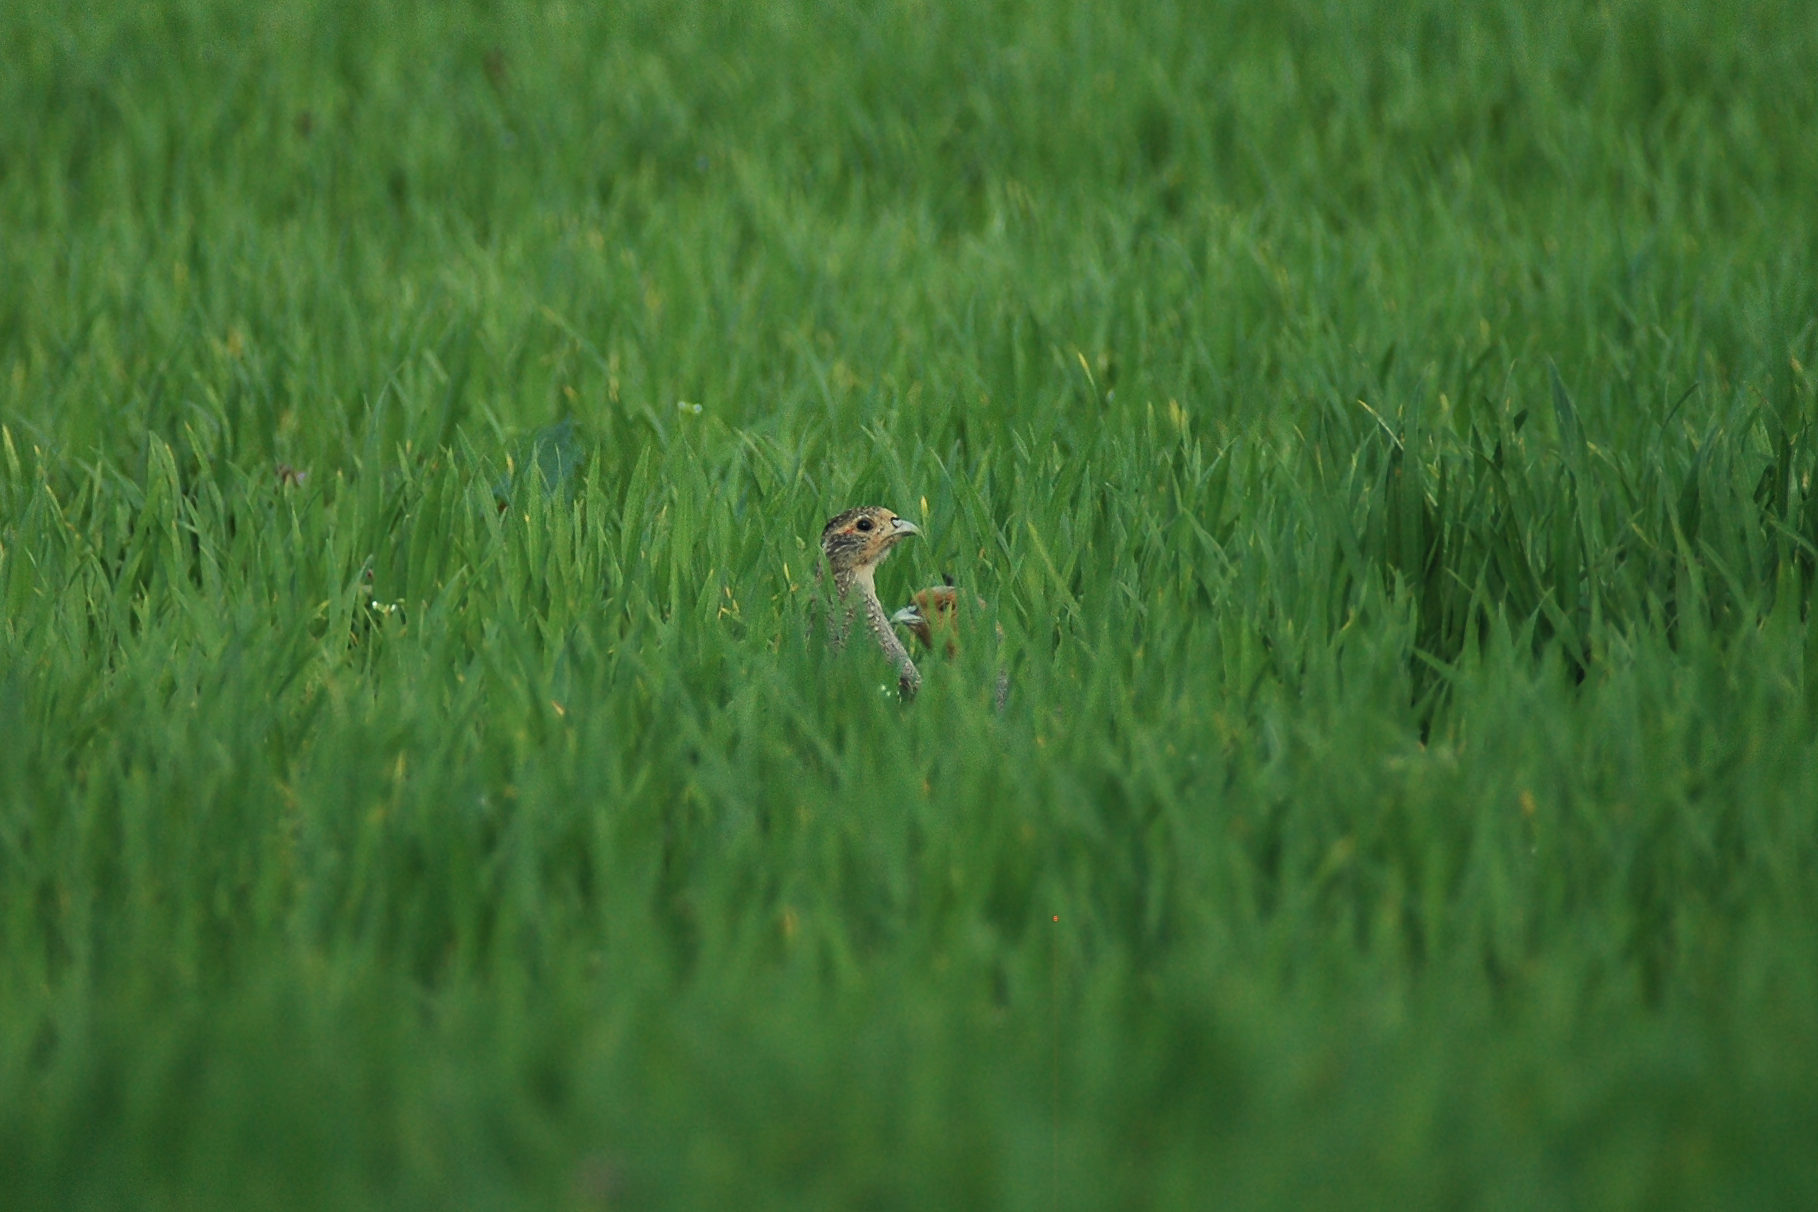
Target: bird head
[[857, 541], [933, 611]]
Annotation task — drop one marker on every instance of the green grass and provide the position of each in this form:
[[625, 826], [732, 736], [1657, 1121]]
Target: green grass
[[1386, 434]]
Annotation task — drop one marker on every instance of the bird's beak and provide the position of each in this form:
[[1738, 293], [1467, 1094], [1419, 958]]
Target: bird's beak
[[905, 526], [908, 616]]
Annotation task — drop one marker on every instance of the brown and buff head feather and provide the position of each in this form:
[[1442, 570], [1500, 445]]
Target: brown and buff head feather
[[855, 543]]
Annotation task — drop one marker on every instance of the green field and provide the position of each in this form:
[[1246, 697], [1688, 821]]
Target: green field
[[1384, 432]]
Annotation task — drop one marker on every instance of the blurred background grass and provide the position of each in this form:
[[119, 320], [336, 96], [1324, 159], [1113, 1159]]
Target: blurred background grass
[[1384, 432]]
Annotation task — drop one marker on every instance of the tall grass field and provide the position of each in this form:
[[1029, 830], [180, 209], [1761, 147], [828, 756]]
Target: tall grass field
[[1384, 433]]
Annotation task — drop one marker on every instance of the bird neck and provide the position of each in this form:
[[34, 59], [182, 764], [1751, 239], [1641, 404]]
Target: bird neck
[[879, 623], [863, 576], [839, 610], [862, 581]]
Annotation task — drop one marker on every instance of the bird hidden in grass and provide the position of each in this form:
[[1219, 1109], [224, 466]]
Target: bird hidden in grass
[[933, 618], [855, 543]]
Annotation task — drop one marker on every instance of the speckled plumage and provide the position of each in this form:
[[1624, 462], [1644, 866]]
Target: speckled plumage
[[855, 543]]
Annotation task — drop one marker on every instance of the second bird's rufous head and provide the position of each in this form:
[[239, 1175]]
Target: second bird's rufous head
[[933, 618]]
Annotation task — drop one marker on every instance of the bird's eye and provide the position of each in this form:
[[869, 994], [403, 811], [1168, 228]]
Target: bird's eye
[[864, 524]]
